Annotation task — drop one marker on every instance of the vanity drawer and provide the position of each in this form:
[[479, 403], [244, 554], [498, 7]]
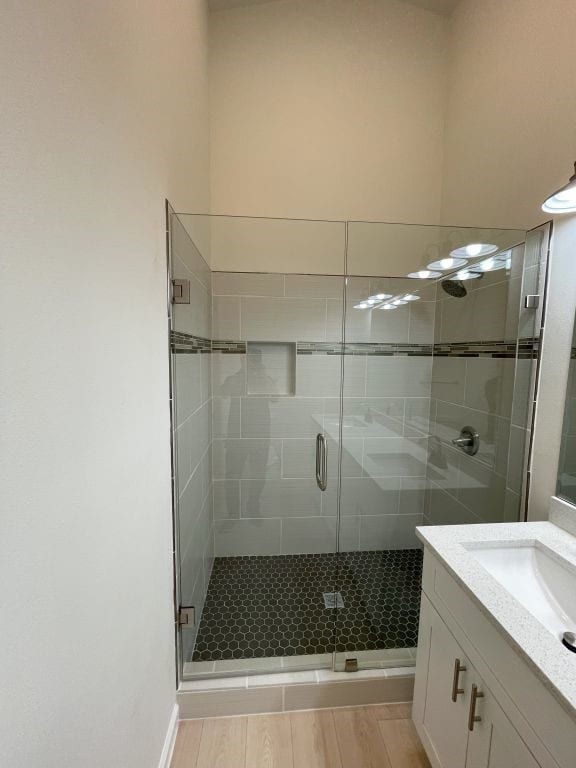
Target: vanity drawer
[[542, 721]]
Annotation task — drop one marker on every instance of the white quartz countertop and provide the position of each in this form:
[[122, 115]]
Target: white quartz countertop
[[552, 662]]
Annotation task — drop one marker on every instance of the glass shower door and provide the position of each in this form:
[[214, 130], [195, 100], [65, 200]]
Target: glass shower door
[[385, 427], [424, 357], [268, 598]]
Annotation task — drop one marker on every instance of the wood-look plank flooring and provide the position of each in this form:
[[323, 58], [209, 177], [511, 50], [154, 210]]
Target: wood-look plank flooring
[[356, 737]]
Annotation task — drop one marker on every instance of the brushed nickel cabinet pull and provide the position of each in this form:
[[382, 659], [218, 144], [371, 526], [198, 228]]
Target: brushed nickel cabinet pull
[[472, 716], [458, 667]]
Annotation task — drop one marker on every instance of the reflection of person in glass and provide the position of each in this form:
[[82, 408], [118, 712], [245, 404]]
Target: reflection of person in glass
[[248, 459]]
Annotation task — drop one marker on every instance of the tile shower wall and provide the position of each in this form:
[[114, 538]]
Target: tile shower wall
[[386, 416], [475, 359], [192, 384], [529, 325], [265, 496]]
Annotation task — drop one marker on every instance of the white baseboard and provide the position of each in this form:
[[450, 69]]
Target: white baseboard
[[170, 740]]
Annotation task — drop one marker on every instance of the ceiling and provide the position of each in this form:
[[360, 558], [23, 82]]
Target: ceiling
[[439, 6]]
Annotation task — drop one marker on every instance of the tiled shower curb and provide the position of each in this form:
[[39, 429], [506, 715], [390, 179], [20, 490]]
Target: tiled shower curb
[[288, 691]]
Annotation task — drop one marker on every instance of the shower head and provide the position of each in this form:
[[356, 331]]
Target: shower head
[[454, 288]]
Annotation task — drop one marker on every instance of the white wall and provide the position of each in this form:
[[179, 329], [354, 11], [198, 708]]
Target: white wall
[[382, 110], [329, 109], [510, 137], [103, 116]]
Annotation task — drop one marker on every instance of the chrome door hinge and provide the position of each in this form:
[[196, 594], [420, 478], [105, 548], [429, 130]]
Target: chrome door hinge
[[532, 301], [351, 665], [187, 616], [181, 291]]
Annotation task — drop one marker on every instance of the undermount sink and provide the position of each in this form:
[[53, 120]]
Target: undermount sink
[[541, 582]]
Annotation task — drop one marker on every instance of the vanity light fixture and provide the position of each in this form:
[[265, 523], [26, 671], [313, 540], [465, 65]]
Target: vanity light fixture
[[381, 296], [387, 306], [410, 297], [564, 199], [425, 274], [448, 263], [472, 250], [399, 302]]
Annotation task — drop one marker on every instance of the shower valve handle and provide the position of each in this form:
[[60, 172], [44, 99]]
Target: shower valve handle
[[462, 442], [469, 441]]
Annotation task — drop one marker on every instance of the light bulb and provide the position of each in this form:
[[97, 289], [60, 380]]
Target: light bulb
[[447, 263], [564, 200], [472, 250], [491, 265], [466, 274]]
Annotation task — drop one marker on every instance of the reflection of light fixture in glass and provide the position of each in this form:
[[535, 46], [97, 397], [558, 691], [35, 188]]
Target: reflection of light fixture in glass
[[362, 305], [381, 296], [472, 250], [425, 274], [447, 263], [466, 274], [370, 301], [410, 297], [490, 265], [564, 199], [387, 306], [399, 302]]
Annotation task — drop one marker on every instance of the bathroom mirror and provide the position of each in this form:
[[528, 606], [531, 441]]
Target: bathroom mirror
[[566, 485]]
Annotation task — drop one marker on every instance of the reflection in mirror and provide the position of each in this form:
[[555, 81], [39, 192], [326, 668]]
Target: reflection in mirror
[[566, 486]]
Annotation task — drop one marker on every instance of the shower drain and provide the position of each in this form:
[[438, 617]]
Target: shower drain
[[333, 600]]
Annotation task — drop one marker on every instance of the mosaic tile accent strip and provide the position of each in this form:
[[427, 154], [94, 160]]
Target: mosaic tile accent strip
[[187, 344], [229, 347], [497, 349], [362, 348], [527, 348], [274, 605]]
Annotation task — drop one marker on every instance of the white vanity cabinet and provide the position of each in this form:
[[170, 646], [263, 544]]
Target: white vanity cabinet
[[494, 742], [458, 718], [476, 702]]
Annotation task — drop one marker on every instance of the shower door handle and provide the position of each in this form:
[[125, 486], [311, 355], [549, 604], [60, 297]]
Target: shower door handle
[[321, 462]]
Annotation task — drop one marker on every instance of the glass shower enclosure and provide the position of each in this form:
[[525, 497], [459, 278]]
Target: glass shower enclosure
[[314, 411]]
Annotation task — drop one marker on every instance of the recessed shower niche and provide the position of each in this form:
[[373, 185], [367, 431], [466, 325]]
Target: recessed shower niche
[[270, 368]]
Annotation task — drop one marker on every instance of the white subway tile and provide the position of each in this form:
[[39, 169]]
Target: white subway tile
[[308, 535], [247, 537], [279, 498], [281, 417], [265, 319], [389, 532], [226, 318], [247, 284], [252, 459]]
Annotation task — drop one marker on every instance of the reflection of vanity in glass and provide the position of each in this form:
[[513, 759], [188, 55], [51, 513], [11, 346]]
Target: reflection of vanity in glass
[[566, 486]]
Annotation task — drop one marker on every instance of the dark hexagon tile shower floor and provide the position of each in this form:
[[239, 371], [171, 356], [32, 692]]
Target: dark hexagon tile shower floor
[[274, 606]]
